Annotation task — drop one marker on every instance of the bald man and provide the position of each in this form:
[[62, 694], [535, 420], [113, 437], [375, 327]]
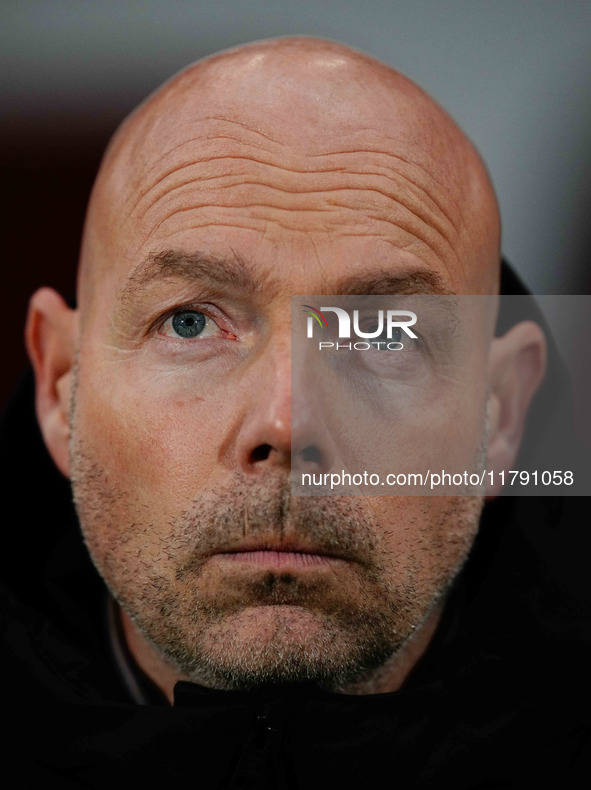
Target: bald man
[[237, 635]]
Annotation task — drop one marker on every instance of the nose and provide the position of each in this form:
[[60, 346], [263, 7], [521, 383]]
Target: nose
[[284, 427]]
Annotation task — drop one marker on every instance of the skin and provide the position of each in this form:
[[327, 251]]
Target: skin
[[294, 166]]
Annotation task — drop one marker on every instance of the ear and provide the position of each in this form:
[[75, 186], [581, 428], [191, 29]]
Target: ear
[[50, 337], [517, 365]]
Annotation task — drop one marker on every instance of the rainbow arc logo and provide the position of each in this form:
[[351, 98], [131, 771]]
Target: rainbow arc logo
[[317, 315]]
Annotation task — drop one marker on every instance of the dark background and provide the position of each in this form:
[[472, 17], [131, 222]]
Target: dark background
[[515, 74]]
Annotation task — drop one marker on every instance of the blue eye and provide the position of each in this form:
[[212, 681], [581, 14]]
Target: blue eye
[[189, 323]]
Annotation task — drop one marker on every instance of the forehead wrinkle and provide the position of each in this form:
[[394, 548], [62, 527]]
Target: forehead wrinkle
[[387, 154], [420, 191], [408, 207], [243, 125], [427, 218], [412, 164], [285, 154], [431, 187], [454, 172], [165, 156], [143, 144], [351, 232], [411, 231], [206, 160], [415, 247]]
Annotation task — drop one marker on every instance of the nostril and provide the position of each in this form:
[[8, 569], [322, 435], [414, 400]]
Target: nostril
[[261, 453], [311, 454]]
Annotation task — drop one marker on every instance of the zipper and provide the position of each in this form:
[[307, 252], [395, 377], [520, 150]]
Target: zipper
[[260, 766]]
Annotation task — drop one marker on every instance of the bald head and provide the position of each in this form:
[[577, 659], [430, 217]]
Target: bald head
[[323, 137]]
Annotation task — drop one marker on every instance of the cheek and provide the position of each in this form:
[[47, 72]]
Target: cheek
[[437, 429], [404, 417], [154, 442], [143, 455], [427, 538]]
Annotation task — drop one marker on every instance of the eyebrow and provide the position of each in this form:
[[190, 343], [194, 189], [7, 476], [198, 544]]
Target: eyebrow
[[232, 272], [229, 272], [386, 284]]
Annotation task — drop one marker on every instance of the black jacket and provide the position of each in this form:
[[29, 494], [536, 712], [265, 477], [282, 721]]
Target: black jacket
[[500, 699]]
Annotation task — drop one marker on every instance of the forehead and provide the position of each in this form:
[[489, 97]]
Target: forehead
[[302, 196]]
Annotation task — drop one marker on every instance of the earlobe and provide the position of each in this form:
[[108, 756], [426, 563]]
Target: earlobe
[[516, 369], [50, 338]]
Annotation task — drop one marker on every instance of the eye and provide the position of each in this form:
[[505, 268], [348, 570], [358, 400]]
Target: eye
[[188, 324]]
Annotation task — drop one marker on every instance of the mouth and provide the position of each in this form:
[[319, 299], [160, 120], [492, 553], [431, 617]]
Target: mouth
[[281, 555]]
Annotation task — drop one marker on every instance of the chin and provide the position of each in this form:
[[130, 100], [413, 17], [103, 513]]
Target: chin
[[279, 644]]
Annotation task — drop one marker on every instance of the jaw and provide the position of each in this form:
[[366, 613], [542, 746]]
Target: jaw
[[282, 644]]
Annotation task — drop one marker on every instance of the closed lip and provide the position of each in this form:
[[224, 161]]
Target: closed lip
[[293, 547]]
